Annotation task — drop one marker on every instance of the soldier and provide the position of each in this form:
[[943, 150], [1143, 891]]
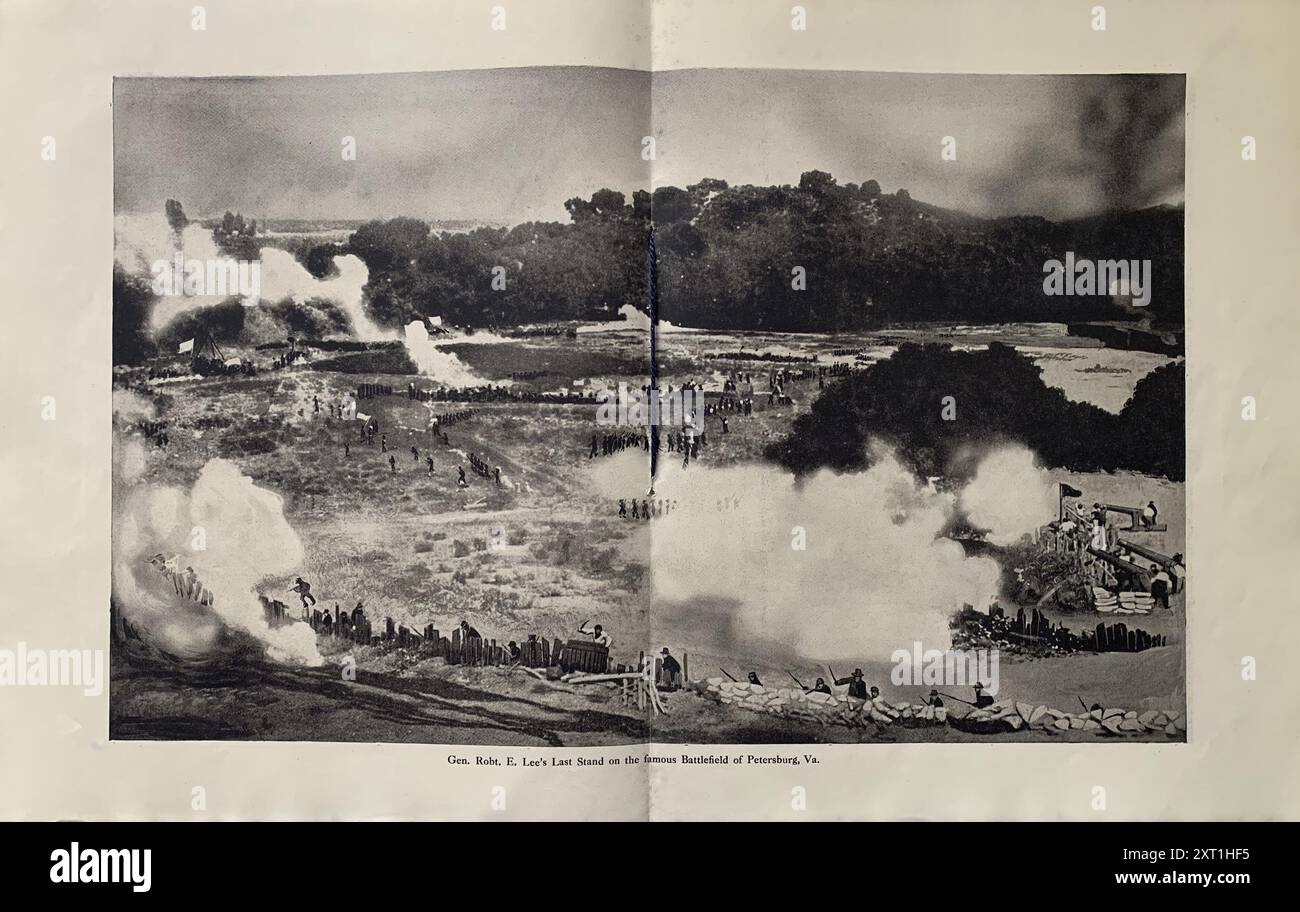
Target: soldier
[[383, 443], [934, 700], [671, 669], [415, 455], [392, 463], [1161, 584], [857, 684], [428, 460], [467, 632], [592, 454], [645, 509], [820, 687], [497, 474], [981, 698], [622, 508], [1149, 514], [303, 588], [635, 509], [347, 449], [753, 678], [597, 634]]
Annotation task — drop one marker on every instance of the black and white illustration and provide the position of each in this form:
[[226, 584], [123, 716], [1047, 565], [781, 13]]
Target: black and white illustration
[[574, 406]]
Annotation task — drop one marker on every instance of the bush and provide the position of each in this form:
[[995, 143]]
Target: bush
[[1000, 397], [516, 537], [247, 445], [602, 561], [459, 548]]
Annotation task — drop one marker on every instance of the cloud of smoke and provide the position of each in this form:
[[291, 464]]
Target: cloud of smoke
[[140, 240], [1009, 495], [631, 319], [246, 540], [872, 574], [434, 362]]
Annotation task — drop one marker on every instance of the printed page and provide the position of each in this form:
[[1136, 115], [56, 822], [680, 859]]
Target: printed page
[[641, 411]]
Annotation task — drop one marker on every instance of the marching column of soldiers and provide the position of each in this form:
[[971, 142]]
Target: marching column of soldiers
[[645, 508], [608, 444], [447, 419], [482, 468]]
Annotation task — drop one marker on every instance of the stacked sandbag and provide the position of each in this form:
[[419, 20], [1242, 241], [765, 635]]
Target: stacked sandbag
[[998, 718], [1135, 603], [823, 708], [1117, 722], [1104, 600]]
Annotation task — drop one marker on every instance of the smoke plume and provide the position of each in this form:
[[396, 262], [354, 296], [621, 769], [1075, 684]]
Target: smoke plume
[[140, 240], [840, 567], [245, 540], [1009, 495]]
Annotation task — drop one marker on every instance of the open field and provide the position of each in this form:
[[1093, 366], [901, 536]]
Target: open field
[[539, 554]]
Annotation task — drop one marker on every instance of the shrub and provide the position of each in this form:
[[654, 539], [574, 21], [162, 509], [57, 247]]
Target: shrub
[[602, 560], [1001, 398]]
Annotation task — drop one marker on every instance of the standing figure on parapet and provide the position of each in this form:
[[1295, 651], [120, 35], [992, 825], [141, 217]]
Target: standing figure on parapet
[[1149, 514], [303, 588], [597, 634]]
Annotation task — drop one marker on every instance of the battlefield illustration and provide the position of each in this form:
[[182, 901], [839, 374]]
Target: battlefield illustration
[[576, 407]]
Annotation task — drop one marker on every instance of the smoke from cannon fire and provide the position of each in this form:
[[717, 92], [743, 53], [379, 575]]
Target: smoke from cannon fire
[[840, 567]]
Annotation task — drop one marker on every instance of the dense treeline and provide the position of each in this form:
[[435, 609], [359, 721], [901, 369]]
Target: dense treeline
[[998, 395], [727, 258], [533, 272]]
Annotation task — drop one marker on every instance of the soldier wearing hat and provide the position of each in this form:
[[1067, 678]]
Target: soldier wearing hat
[[670, 678], [303, 588], [857, 684]]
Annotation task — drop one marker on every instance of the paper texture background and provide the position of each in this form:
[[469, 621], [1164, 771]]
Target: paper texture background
[[58, 60]]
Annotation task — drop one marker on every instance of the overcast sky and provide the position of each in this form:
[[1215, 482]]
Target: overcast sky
[[510, 145]]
